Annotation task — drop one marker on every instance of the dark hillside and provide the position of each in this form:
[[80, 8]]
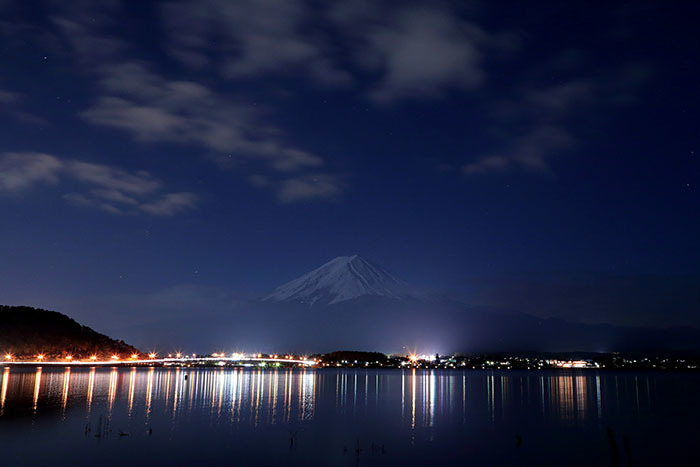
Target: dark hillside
[[26, 332]]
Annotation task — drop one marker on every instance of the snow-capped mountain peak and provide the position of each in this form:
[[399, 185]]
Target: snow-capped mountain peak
[[342, 278]]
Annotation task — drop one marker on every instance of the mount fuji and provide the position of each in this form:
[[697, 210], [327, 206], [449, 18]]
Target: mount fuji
[[352, 303], [341, 279]]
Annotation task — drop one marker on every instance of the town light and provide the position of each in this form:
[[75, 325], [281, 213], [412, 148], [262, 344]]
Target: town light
[[93, 357], [178, 355], [69, 357], [8, 356], [152, 355], [40, 357], [134, 356], [115, 357]]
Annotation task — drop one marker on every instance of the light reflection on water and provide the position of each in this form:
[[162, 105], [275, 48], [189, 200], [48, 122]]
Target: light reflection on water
[[421, 410], [274, 396]]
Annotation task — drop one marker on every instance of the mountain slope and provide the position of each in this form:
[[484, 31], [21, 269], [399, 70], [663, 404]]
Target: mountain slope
[[26, 331], [389, 325], [343, 278], [352, 303]]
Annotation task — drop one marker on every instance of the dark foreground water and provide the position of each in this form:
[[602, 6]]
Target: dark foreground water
[[191, 417]]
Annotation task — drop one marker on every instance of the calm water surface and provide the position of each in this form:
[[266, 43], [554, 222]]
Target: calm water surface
[[147, 416]]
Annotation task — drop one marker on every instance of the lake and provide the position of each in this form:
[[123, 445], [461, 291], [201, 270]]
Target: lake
[[227, 416]]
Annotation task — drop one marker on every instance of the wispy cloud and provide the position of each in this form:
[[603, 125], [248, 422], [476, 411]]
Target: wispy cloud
[[301, 188], [421, 52], [170, 204], [416, 50], [11, 103], [394, 51], [537, 118], [537, 124], [133, 96], [532, 152], [254, 37], [309, 187], [7, 97], [409, 49], [20, 171], [108, 188], [152, 108]]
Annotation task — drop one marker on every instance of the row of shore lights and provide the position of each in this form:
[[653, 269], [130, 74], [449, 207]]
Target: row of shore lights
[[41, 357], [241, 356], [152, 356]]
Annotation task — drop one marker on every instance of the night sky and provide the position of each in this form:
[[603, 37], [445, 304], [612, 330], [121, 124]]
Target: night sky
[[180, 155]]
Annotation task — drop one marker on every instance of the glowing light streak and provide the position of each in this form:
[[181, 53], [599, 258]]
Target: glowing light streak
[[149, 391], [413, 402], [37, 385], [3, 391], [66, 385], [132, 384], [112, 388], [177, 390], [91, 389]]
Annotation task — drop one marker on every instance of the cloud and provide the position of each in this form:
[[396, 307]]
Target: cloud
[[7, 97], [531, 152], [416, 50], [307, 187], [559, 99], [86, 41], [301, 188], [152, 108], [113, 180], [408, 51], [537, 117], [253, 37], [412, 49], [20, 171], [422, 52], [108, 188], [538, 122], [11, 104], [135, 98], [545, 104], [170, 204]]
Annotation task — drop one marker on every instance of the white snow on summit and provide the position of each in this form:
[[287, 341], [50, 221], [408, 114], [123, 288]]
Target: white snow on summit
[[343, 278]]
